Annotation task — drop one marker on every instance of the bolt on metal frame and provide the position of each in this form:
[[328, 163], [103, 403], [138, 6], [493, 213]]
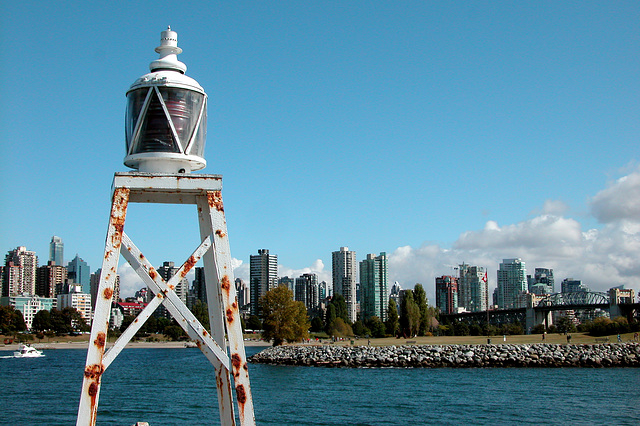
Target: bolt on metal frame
[[205, 192]]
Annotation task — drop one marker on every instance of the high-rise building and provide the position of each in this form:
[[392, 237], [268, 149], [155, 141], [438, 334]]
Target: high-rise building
[[79, 273], [447, 294], [512, 282], [395, 293], [323, 291], [288, 282], [167, 271], [199, 286], [569, 285], [374, 285], [50, 279], [473, 289], [542, 281], [94, 284], [244, 296], [344, 272], [56, 251], [19, 273], [77, 299], [306, 291], [263, 276]]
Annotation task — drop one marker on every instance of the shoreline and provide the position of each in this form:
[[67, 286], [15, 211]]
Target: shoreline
[[84, 345]]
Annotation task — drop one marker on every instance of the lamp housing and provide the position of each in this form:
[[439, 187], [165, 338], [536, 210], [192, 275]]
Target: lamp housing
[[166, 116]]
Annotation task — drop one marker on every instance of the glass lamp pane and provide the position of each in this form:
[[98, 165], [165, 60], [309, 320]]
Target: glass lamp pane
[[135, 101], [183, 107], [155, 133], [197, 148]]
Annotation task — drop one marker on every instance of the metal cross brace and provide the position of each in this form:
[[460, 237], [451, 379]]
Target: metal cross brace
[[164, 293]]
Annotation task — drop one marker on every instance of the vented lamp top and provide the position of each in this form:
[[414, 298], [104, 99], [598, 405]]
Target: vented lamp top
[[166, 118]]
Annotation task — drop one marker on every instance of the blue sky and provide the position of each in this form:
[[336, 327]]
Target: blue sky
[[438, 132]]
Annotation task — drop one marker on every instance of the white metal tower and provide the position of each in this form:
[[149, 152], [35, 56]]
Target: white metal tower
[[165, 135]]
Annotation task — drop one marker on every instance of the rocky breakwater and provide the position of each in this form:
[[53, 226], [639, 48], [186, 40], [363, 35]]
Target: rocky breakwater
[[436, 356]]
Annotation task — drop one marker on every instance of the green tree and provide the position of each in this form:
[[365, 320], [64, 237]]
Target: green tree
[[538, 329], [359, 329], [376, 326], [460, 329], [283, 318], [201, 312], [566, 325], [341, 328], [316, 324], [60, 322], [330, 318], [254, 323], [392, 318], [420, 298], [174, 332], [341, 308], [41, 321], [11, 320], [409, 315]]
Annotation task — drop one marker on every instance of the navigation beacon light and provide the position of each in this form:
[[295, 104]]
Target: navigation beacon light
[[166, 118]]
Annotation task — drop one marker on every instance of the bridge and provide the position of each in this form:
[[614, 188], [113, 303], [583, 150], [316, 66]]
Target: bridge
[[618, 302]]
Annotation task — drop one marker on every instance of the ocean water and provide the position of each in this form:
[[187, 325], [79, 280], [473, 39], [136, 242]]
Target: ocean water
[[177, 386]]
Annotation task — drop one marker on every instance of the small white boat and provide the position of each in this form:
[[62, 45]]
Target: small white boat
[[27, 351]]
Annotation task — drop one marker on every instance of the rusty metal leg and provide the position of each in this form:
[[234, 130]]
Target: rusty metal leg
[[216, 322], [88, 406], [223, 303]]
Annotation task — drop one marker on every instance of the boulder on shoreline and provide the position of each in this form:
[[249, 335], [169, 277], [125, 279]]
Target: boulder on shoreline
[[456, 356]]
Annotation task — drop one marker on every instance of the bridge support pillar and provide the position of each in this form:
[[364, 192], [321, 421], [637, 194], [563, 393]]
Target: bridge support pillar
[[537, 316]]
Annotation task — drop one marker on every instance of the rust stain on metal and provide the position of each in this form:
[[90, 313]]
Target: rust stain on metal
[[108, 293], [152, 273], [171, 286], [225, 284], [204, 332], [245, 367], [188, 265], [160, 294], [94, 372], [118, 215], [100, 340], [214, 198], [220, 234], [236, 361], [229, 316], [234, 305], [135, 320], [93, 390], [141, 256], [241, 395]]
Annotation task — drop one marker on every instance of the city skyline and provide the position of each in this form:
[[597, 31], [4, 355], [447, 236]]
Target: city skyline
[[491, 132]]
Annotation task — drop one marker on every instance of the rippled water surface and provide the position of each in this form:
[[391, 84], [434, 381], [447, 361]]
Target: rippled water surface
[[177, 386]]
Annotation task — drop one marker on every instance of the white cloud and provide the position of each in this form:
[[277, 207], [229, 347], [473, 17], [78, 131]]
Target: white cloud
[[552, 207], [601, 258], [620, 201], [316, 268], [130, 282]]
